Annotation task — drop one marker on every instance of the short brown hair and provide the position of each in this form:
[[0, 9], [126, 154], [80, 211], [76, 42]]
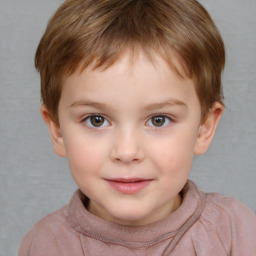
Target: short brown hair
[[98, 32]]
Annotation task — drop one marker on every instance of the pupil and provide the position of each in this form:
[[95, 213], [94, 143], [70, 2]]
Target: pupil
[[158, 121], [97, 120]]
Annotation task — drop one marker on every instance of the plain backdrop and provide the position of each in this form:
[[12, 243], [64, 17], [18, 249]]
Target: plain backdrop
[[34, 181]]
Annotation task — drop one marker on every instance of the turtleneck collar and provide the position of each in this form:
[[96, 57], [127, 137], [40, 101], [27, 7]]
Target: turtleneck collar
[[172, 226]]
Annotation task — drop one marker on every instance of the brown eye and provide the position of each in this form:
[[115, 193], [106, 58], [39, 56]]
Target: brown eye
[[96, 121], [159, 121]]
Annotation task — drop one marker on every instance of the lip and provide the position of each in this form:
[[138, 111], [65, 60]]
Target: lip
[[130, 185]]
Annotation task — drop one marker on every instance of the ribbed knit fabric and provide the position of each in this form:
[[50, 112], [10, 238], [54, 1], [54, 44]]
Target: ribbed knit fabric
[[204, 225]]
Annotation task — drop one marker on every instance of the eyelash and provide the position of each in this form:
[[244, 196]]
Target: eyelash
[[88, 121], [88, 118], [166, 119]]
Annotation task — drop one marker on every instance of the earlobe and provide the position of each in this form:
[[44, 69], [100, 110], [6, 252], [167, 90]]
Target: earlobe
[[55, 132], [207, 129]]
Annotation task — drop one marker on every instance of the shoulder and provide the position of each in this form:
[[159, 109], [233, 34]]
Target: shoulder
[[217, 206], [234, 223], [54, 221], [42, 231], [48, 235]]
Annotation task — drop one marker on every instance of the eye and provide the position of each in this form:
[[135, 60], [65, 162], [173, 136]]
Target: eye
[[96, 121], [159, 121]]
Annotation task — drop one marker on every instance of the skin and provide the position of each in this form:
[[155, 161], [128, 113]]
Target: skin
[[147, 127]]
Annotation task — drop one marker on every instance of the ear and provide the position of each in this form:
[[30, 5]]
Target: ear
[[54, 129], [207, 129]]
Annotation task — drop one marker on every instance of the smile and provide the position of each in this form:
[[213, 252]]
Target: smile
[[129, 186]]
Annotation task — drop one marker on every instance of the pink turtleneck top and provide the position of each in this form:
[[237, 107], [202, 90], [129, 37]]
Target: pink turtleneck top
[[205, 224]]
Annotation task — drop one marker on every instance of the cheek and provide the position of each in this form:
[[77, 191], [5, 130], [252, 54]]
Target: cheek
[[85, 157], [175, 153]]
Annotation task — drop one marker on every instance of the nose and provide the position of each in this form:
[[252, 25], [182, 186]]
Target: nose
[[127, 147]]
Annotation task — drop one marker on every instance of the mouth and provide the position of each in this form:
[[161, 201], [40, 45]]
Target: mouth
[[129, 186]]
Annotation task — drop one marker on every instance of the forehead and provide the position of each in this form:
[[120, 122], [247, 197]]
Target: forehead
[[131, 58], [141, 78], [128, 64], [131, 53]]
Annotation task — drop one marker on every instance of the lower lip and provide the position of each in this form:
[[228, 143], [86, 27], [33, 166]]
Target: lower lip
[[129, 187]]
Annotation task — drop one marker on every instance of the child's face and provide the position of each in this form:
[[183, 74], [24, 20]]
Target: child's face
[[130, 133]]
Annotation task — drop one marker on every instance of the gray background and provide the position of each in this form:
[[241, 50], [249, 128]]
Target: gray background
[[34, 182]]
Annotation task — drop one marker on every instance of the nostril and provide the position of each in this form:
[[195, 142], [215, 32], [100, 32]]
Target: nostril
[[126, 147], [127, 156]]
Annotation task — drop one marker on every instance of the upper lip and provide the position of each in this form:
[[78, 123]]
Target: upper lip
[[128, 180]]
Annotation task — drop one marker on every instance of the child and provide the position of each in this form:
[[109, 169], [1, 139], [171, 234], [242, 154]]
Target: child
[[131, 92]]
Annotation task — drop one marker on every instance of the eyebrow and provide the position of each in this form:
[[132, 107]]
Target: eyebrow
[[167, 103], [88, 103], [149, 107]]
